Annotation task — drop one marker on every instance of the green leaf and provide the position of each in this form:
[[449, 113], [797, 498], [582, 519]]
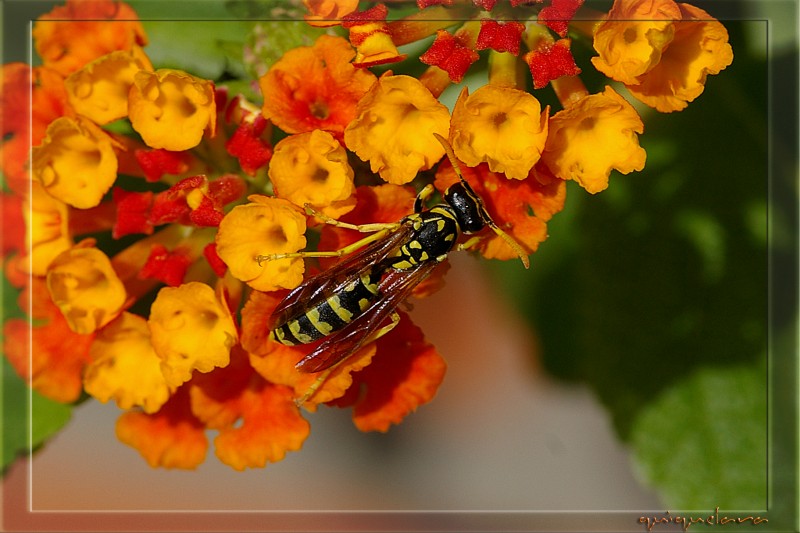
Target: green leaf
[[48, 416], [703, 442]]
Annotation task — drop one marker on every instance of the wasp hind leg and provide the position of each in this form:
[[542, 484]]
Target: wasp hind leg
[[363, 228], [323, 376]]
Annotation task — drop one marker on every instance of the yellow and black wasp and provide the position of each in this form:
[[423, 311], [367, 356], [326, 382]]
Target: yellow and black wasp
[[355, 301]]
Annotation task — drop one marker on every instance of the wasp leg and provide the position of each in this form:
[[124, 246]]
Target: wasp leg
[[323, 377], [363, 228], [424, 194], [469, 243], [333, 253]]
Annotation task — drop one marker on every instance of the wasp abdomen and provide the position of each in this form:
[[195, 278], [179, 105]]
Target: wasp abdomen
[[332, 313]]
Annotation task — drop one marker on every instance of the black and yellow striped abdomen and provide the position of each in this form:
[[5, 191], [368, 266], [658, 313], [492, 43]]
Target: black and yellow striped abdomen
[[331, 313]]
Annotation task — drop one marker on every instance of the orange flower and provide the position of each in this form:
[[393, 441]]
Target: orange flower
[[312, 168], [49, 355], [172, 437], [661, 50], [596, 134], [394, 128], [502, 126], [171, 109], [324, 13], [405, 374], [70, 36], [30, 99], [99, 91], [314, 87], [264, 226], [258, 422]]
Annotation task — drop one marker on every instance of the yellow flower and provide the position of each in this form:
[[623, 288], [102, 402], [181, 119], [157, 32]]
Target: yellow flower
[[264, 226], [633, 36], [394, 128], [312, 168], [85, 287], [191, 329], [661, 50], [125, 367], [99, 91], [700, 48], [76, 162], [596, 134], [501, 126], [46, 229], [171, 109]]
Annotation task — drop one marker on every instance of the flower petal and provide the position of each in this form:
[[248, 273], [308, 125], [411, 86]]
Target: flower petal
[[312, 168], [125, 367], [264, 226], [171, 109], [394, 128], [191, 329], [501, 126]]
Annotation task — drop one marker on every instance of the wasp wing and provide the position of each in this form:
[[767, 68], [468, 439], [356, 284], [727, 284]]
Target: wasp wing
[[340, 344], [333, 280]]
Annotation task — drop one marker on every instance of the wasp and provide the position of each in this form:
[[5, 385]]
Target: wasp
[[355, 301]]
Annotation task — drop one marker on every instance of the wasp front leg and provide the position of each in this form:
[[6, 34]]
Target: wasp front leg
[[362, 228], [388, 228]]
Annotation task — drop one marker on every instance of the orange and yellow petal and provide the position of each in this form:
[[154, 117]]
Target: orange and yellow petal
[[700, 47], [125, 367], [394, 128], [83, 284], [258, 422], [191, 329], [49, 355], [171, 109], [314, 87], [271, 425], [631, 40], [72, 35], [324, 13], [46, 229], [264, 226], [170, 438], [370, 34], [312, 168], [99, 91], [501, 126], [404, 375], [592, 137], [76, 162]]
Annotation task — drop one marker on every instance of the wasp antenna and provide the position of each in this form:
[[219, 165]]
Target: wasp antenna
[[513, 244], [450, 155]]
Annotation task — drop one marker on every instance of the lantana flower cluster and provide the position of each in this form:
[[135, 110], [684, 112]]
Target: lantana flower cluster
[[138, 198]]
